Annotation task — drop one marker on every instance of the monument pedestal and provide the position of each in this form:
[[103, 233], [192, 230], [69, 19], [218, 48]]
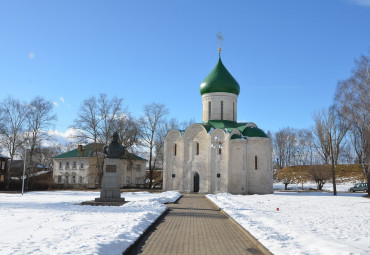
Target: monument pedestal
[[110, 191]]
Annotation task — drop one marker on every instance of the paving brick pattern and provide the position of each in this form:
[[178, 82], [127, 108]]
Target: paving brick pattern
[[194, 226]]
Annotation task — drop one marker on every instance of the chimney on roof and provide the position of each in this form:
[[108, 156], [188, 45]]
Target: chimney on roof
[[79, 148]]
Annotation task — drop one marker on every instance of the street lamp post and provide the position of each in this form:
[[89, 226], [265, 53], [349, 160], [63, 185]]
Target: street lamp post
[[24, 169], [217, 145]]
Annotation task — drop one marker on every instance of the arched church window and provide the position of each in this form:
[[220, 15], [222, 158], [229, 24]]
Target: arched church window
[[222, 110], [255, 162], [209, 110], [233, 111], [219, 150], [197, 148], [175, 149]]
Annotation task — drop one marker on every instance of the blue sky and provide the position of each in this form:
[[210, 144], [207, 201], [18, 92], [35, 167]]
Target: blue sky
[[286, 55]]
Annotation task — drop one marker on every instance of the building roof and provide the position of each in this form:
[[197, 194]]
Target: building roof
[[3, 156], [219, 80], [88, 151], [248, 129]]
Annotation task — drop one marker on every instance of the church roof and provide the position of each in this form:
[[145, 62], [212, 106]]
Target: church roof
[[219, 80], [88, 151], [248, 129]]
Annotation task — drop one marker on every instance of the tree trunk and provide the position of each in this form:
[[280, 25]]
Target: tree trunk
[[332, 166], [7, 174], [150, 168], [367, 172]]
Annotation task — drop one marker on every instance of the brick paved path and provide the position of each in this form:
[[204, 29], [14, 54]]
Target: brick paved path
[[194, 226]]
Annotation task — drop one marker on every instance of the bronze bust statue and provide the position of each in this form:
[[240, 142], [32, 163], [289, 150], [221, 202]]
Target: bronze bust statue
[[114, 149]]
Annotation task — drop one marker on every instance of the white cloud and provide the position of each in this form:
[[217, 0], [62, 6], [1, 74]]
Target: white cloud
[[63, 137], [361, 2], [61, 99], [55, 104]]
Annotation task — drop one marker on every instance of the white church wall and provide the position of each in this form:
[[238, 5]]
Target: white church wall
[[259, 175], [238, 167], [229, 106], [173, 159], [195, 159], [218, 162]]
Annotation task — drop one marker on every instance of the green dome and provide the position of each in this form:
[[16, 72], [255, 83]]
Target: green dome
[[219, 80], [254, 132]]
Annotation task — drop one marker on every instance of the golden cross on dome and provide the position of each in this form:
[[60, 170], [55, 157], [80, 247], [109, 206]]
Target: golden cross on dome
[[220, 38]]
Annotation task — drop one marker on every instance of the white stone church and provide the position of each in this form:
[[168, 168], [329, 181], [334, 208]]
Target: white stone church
[[219, 154]]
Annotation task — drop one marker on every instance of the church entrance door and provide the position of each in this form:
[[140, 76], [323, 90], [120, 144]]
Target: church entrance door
[[196, 182]]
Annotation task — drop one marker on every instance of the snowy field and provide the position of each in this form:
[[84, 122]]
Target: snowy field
[[306, 222], [53, 222]]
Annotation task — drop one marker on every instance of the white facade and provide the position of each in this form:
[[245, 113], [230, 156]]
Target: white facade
[[220, 106], [72, 171], [80, 172], [244, 165], [219, 154]]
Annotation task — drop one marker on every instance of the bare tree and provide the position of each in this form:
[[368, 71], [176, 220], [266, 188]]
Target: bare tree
[[14, 114], [39, 120], [128, 129], [353, 99], [330, 129], [285, 146], [287, 176], [320, 174], [320, 130], [95, 122], [154, 117]]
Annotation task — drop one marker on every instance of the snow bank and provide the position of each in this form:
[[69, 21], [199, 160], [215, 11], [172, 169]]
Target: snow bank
[[54, 223], [306, 223]]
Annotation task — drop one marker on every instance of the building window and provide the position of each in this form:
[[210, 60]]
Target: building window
[[219, 150], [67, 165], [127, 180], [66, 179], [138, 168], [82, 165], [128, 167], [255, 162], [3, 165], [73, 178], [233, 111], [80, 179], [222, 110], [137, 180], [209, 110], [197, 148], [74, 166], [175, 149], [59, 179], [60, 165]]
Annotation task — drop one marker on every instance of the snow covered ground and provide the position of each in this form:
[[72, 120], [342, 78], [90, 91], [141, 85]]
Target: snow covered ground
[[306, 222], [53, 222]]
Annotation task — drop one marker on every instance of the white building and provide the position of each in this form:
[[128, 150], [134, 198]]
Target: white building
[[77, 168], [219, 154]]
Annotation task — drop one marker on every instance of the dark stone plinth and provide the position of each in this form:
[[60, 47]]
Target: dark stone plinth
[[120, 199], [104, 203]]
